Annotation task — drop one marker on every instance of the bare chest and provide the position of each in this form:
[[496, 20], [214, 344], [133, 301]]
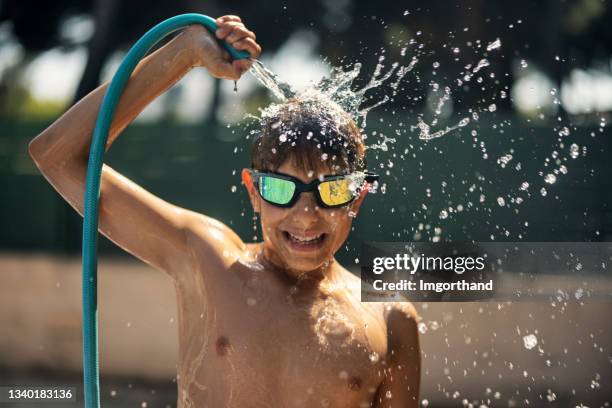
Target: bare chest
[[291, 351]]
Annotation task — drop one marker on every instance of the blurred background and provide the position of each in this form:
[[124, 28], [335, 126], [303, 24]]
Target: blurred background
[[532, 164]]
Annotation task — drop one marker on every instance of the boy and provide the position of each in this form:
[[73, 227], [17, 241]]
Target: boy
[[271, 324]]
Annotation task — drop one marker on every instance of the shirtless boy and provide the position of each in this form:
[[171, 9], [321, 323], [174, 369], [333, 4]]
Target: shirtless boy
[[273, 324]]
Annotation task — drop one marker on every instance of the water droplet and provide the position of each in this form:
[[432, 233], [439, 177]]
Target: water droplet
[[579, 293], [481, 64], [501, 201], [550, 178], [530, 341], [374, 357], [492, 107], [504, 160], [494, 45], [574, 150], [463, 122]]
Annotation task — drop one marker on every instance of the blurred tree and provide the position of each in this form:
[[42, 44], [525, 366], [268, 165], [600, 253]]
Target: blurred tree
[[579, 31]]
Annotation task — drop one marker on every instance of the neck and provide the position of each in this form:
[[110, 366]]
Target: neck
[[325, 272]]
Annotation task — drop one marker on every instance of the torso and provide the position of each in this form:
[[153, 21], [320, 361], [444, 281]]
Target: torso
[[249, 339]]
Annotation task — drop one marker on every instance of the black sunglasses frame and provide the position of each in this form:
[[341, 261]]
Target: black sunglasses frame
[[301, 187]]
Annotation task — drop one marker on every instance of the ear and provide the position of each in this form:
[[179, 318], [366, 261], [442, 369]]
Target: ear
[[359, 200], [247, 180]]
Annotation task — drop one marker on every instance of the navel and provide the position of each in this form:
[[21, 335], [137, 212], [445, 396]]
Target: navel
[[355, 383], [223, 345]]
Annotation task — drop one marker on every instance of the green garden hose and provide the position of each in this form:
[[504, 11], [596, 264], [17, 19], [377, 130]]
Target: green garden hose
[[91, 385]]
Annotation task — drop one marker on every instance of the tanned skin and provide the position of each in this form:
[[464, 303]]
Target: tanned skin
[[260, 324]]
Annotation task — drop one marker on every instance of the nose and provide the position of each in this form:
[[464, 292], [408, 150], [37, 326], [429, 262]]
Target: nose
[[306, 210]]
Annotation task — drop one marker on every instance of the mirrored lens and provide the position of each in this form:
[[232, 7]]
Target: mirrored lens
[[276, 190], [336, 192]]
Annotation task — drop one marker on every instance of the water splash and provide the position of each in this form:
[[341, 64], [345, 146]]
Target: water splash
[[391, 82], [338, 88], [424, 129]]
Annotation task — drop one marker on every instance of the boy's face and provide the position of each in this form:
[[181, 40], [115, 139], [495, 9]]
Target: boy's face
[[305, 236]]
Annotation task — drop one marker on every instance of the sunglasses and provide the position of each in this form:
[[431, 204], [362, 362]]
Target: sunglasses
[[283, 190]]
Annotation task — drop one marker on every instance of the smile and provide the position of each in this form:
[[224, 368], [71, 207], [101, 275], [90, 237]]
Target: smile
[[304, 242]]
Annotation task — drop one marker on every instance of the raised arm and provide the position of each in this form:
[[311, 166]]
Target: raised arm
[[136, 220]]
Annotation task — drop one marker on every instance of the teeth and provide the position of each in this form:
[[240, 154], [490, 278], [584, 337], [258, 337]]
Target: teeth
[[304, 239]]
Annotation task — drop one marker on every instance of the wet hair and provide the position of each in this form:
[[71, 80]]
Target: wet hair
[[315, 133]]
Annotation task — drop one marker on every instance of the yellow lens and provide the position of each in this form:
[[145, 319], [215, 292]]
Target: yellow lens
[[336, 192]]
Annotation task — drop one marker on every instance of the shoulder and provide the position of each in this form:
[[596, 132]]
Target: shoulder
[[211, 235], [402, 322], [403, 309]]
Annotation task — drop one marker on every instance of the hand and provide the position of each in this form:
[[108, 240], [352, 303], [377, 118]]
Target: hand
[[211, 55]]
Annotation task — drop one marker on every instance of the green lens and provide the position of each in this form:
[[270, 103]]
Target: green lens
[[336, 192], [276, 190]]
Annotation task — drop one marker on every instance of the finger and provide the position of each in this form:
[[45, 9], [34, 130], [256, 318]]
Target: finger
[[226, 28], [249, 45], [230, 17], [244, 31], [238, 33]]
